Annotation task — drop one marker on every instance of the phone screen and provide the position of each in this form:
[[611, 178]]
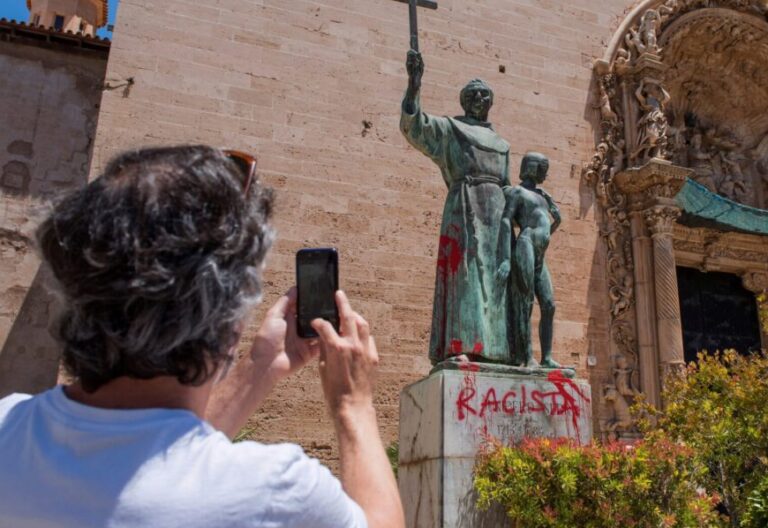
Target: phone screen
[[317, 279]]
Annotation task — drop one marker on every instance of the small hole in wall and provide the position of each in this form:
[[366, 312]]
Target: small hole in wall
[[502, 68]]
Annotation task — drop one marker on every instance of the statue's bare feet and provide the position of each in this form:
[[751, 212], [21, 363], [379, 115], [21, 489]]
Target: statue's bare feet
[[461, 358], [531, 364], [548, 362]]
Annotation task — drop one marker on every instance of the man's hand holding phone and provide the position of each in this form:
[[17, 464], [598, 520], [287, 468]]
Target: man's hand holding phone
[[347, 360], [277, 339]]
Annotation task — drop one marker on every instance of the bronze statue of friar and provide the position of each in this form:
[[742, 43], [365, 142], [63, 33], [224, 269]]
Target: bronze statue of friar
[[487, 277]]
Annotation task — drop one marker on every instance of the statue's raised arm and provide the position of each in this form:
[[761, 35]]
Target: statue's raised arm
[[414, 64], [428, 134]]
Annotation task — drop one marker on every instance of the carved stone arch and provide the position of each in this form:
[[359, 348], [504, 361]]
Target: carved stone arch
[[674, 9], [682, 89]]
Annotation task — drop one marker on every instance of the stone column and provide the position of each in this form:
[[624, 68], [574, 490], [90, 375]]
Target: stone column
[[642, 255], [661, 220], [650, 190]]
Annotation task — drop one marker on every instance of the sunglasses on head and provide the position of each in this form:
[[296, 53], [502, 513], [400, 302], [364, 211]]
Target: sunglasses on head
[[247, 165]]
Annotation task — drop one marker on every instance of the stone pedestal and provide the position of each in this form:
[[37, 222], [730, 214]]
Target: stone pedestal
[[447, 417]]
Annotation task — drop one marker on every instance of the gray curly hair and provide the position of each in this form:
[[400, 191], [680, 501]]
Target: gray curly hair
[[157, 260]]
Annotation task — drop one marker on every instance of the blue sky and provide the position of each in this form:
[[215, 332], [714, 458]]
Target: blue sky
[[17, 9]]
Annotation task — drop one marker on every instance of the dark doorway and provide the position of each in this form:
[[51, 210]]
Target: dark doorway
[[717, 312]]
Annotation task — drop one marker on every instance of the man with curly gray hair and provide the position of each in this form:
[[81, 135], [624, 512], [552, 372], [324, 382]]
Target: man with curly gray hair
[[158, 261]]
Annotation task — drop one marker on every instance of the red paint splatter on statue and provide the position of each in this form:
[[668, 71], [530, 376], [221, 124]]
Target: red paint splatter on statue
[[467, 366], [478, 349], [448, 255], [457, 346]]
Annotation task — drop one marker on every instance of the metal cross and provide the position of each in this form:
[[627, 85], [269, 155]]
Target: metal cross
[[412, 4]]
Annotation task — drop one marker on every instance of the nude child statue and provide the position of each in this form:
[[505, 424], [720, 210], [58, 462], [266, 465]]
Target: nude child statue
[[522, 265]]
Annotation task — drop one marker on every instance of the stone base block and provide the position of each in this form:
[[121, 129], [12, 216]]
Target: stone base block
[[447, 417]]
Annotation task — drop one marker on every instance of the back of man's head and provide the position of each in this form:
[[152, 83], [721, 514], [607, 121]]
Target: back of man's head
[[157, 260]]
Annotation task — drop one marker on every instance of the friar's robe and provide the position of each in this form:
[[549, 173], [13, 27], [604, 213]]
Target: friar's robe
[[470, 305]]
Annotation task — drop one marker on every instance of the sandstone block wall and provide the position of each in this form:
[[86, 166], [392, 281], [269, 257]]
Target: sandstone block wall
[[314, 88], [49, 103]]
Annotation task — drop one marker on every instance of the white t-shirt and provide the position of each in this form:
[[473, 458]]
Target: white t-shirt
[[68, 465]]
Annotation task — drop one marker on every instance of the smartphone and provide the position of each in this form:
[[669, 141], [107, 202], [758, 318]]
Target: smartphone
[[317, 279]]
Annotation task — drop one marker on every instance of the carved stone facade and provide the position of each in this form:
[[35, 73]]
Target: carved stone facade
[[682, 94]]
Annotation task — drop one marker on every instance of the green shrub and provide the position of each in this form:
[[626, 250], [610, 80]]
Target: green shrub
[[718, 409], [393, 454], [756, 515], [707, 448], [557, 484]]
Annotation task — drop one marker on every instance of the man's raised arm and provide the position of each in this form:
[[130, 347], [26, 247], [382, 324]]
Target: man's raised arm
[[347, 363]]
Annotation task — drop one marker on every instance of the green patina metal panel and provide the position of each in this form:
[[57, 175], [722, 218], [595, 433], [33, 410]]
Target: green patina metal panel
[[704, 208]]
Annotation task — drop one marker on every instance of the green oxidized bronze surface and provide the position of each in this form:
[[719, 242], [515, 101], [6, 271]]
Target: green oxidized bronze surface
[[528, 207], [487, 278]]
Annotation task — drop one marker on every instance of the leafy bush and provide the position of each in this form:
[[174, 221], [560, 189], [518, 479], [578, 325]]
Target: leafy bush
[[757, 507], [718, 409], [708, 447], [557, 484], [393, 454]]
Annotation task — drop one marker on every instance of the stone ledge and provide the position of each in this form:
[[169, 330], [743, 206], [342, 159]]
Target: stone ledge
[[501, 370]]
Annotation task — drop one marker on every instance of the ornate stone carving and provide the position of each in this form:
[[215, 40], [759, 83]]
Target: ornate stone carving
[[661, 221], [608, 116], [743, 254], [655, 179], [620, 293], [622, 375], [657, 100], [621, 418], [653, 127], [756, 282], [644, 39], [712, 250], [734, 252], [719, 90], [618, 398]]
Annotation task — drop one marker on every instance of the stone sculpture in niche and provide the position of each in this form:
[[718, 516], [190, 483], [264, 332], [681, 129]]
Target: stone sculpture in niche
[[701, 162], [653, 125], [621, 420], [644, 38], [469, 306], [721, 162]]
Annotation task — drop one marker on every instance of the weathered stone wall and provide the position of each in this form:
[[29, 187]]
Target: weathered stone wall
[[314, 88], [49, 100]]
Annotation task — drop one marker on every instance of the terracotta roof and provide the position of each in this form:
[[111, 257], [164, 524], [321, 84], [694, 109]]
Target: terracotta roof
[[104, 14], [30, 33]]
